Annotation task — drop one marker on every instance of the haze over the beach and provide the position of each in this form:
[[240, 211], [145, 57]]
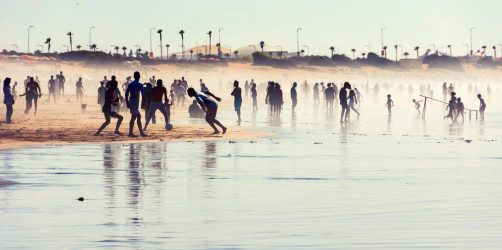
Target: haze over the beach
[[340, 23]]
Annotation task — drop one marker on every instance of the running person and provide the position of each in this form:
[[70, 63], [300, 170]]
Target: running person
[[109, 100], [209, 106], [158, 93], [132, 97]]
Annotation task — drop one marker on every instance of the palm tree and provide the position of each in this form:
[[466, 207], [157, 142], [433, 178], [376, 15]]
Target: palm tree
[[117, 49], [210, 34], [449, 47], [363, 54], [191, 55], [160, 36], [417, 49], [406, 54], [69, 34], [332, 51], [182, 34], [262, 45], [353, 53], [167, 51], [494, 52], [302, 51], [385, 51], [94, 47], [48, 42], [124, 49], [78, 47], [236, 53], [395, 47], [484, 50]]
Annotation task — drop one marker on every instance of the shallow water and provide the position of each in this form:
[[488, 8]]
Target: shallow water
[[378, 182]]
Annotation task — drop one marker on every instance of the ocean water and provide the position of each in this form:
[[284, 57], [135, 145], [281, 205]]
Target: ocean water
[[380, 182]]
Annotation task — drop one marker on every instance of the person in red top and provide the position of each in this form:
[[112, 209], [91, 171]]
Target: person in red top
[[157, 95]]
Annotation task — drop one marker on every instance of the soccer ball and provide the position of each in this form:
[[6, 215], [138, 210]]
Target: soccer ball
[[169, 126]]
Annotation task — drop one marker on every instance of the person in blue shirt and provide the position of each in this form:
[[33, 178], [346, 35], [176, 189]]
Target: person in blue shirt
[[133, 93], [209, 105]]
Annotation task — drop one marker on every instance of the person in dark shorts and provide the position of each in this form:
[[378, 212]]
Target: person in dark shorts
[[343, 101], [158, 93], [132, 97], [237, 93], [110, 99], [210, 106], [32, 92]]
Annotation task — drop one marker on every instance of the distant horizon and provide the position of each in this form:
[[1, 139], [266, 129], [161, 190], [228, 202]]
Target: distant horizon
[[343, 24]]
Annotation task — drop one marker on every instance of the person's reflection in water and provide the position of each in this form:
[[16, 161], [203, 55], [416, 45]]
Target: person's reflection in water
[[389, 124], [210, 159], [134, 178]]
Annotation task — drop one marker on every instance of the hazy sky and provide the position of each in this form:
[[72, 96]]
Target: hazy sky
[[345, 24]]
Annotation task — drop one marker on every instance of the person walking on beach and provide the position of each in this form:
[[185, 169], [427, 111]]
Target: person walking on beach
[[145, 102], [101, 94], [352, 102], [32, 92], [52, 90], [80, 89], [254, 96], [237, 93], [482, 107], [329, 94], [109, 100], [389, 104], [209, 105], [445, 91], [158, 93], [8, 100], [343, 101], [247, 86], [62, 81], [315, 92], [294, 97], [459, 109], [132, 97]]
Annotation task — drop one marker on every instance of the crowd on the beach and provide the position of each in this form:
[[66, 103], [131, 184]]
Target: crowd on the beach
[[152, 96]]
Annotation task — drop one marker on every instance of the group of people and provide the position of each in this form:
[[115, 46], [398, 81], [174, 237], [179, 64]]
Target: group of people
[[56, 85]]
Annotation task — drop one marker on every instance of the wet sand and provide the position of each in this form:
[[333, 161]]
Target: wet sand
[[64, 123]]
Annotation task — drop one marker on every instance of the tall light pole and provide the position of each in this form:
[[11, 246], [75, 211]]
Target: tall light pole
[[219, 35], [472, 28], [29, 28], [298, 42], [90, 36], [381, 35], [151, 49]]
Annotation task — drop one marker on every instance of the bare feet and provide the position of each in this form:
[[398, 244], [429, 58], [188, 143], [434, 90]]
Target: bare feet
[[224, 130], [132, 135], [144, 135], [216, 132]]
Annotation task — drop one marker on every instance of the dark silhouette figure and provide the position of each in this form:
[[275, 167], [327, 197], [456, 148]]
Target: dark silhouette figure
[[254, 95], [158, 94], [352, 102], [62, 81], [237, 93], [294, 97], [52, 89], [343, 101], [389, 104], [80, 89], [482, 107], [109, 100], [8, 100], [101, 94], [32, 92], [209, 106], [132, 97]]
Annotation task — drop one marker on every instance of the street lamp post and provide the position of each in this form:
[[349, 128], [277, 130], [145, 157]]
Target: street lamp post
[[219, 35], [29, 28], [381, 35], [151, 49], [298, 42], [472, 28], [90, 36]]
